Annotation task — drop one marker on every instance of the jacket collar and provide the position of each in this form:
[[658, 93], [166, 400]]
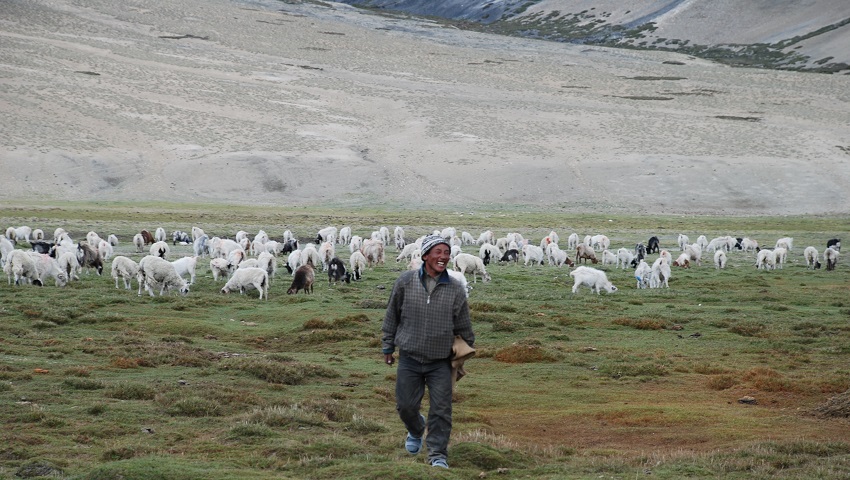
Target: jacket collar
[[443, 278]]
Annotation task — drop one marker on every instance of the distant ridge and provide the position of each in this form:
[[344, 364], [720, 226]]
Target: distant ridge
[[790, 35]]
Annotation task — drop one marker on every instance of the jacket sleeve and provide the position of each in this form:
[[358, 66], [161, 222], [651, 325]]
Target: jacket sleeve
[[391, 319]]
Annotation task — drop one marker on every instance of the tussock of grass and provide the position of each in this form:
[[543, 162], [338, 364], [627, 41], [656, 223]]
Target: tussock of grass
[[523, 354], [273, 371], [641, 323]]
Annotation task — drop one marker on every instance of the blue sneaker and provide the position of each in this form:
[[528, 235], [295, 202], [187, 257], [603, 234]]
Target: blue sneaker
[[440, 462], [412, 444]]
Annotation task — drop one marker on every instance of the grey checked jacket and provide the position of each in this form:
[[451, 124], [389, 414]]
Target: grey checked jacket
[[422, 325]]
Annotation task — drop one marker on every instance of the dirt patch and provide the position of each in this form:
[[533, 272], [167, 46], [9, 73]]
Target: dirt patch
[[836, 407]]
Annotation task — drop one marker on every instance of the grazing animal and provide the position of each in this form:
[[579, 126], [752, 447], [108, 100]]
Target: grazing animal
[[593, 278], [811, 256], [624, 258], [719, 259], [41, 247], [69, 264], [830, 256], [160, 249], [21, 266], [533, 254], [220, 268], [643, 274], [157, 272], [585, 251], [510, 256], [834, 243], [653, 245], [327, 234], [181, 237], [88, 257], [159, 234], [303, 279], [461, 279], [781, 255], [336, 272], [683, 240], [186, 266], [749, 244], [765, 260], [147, 237], [373, 250], [659, 274], [785, 242], [398, 236], [465, 262], [246, 279], [357, 262], [125, 269]]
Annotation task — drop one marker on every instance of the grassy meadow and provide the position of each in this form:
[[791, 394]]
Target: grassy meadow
[[99, 383]]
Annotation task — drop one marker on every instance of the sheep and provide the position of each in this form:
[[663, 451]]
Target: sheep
[[384, 235], [643, 274], [695, 253], [600, 241], [344, 235], [336, 272], [112, 239], [834, 243], [237, 256], [267, 262], [41, 247], [288, 235], [261, 237], [624, 258], [246, 279], [666, 254], [289, 246], [785, 242], [811, 256], [310, 253], [197, 232], [593, 278], [326, 254], [58, 233], [248, 263], [572, 241], [240, 235], [327, 234], [186, 266], [609, 258], [719, 259], [159, 234], [485, 237], [466, 262], [448, 232], [68, 263], [489, 252], [659, 274], [373, 251], [89, 257], [502, 244], [199, 246], [467, 238], [683, 261], [147, 236], [398, 236], [560, 258], [584, 251], [105, 250], [220, 267], [126, 269], [273, 247], [749, 244], [510, 256], [155, 271], [160, 249], [21, 266], [765, 260], [683, 240], [38, 234], [357, 241], [294, 261], [5, 248], [223, 246], [19, 234], [718, 242], [781, 255], [461, 279], [653, 245], [303, 279], [181, 237], [533, 254], [139, 242], [357, 262], [46, 266], [830, 256]]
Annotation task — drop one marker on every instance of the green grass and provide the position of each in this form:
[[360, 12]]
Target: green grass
[[97, 382]]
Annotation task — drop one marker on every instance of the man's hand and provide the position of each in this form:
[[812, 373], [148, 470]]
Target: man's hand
[[389, 359]]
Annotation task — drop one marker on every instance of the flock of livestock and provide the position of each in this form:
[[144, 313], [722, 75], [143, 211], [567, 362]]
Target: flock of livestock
[[248, 262]]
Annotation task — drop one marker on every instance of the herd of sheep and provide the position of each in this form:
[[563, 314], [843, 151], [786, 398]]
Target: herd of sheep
[[249, 262]]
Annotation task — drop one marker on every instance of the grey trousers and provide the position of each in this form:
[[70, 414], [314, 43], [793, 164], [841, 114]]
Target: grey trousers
[[411, 379]]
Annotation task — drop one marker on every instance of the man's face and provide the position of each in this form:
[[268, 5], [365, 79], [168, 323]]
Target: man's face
[[437, 259]]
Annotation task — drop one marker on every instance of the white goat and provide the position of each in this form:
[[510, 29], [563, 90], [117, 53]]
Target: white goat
[[465, 262], [593, 278], [126, 269], [186, 266], [247, 278], [158, 272]]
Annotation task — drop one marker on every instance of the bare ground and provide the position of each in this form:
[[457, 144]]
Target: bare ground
[[287, 103]]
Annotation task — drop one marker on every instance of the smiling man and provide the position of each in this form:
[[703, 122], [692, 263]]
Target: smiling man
[[425, 312]]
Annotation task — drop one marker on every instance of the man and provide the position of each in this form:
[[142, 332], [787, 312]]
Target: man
[[425, 312]]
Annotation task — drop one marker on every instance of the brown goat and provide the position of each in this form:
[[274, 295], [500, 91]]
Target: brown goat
[[304, 276], [585, 252]]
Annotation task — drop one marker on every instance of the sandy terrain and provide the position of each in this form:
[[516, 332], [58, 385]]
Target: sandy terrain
[[287, 103]]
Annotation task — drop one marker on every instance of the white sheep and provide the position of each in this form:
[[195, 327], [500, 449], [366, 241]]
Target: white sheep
[[158, 272], [781, 255], [247, 278], [448, 232], [659, 274], [465, 262], [59, 232], [683, 240], [600, 242], [593, 278], [373, 251], [461, 279], [294, 260], [47, 266], [19, 234], [533, 254], [21, 267], [38, 235], [490, 252], [139, 242], [572, 241], [666, 254], [811, 255], [765, 260], [197, 232], [785, 242], [267, 262], [159, 235], [398, 236], [467, 238], [310, 253], [643, 274], [486, 236], [105, 250], [5, 248], [237, 256], [355, 243], [830, 256], [160, 249], [719, 259], [220, 268], [326, 253], [327, 234], [69, 264], [384, 235], [248, 263], [344, 235], [559, 257], [749, 244], [357, 261], [702, 241], [624, 257], [126, 269], [186, 266], [609, 258]]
